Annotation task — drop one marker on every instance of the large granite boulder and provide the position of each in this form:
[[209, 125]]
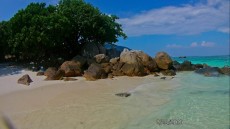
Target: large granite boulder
[[116, 69], [136, 63], [25, 80], [106, 67], [114, 60], [89, 50], [129, 57], [101, 58], [54, 74], [209, 71], [163, 60], [151, 65], [71, 68], [94, 72], [50, 71], [81, 61], [133, 69], [225, 70]]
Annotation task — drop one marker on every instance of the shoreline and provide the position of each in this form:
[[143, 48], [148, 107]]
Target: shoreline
[[80, 98], [88, 104]]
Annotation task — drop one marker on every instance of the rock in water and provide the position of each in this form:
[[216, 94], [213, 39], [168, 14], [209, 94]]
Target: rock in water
[[209, 71], [163, 78], [186, 66], [25, 80], [225, 70], [125, 94], [163, 60]]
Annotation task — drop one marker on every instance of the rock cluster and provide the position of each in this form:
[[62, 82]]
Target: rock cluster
[[100, 66], [96, 63], [203, 69]]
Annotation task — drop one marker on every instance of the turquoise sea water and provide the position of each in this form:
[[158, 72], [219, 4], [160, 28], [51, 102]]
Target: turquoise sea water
[[197, 102], [194, 102], [215, 61]]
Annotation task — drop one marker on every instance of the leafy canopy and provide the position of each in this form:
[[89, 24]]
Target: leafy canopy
[[39, 31]]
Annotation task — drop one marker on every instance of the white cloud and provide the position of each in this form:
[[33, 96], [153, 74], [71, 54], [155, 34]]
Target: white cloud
[[194, 44], [207, 44], [213, 15], [224, 30]]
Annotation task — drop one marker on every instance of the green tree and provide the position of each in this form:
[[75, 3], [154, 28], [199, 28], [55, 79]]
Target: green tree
[[88, 24], [29, 39], [40, 32], [4, 36]]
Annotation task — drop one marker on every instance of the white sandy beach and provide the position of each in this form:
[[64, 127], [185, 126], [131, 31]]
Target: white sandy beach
[[79, 104]]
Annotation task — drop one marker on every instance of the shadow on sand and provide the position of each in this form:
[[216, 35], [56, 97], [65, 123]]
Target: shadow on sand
[[8, 123]]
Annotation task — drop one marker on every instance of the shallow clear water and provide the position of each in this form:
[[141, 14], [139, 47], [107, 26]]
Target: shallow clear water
[[197, 103], [217, 61]]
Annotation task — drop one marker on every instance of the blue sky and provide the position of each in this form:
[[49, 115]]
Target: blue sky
[[179, 27]]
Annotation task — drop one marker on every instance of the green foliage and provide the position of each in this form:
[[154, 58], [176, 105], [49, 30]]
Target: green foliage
[[39, 32], [4, 36]]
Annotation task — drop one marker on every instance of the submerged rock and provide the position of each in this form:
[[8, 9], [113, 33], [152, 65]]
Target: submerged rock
[[125, 94], [186, 66], [163, 78], [225, 70], [209, 71], [25, 80]]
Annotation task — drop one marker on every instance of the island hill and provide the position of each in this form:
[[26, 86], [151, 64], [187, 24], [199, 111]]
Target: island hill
[[97, 62]]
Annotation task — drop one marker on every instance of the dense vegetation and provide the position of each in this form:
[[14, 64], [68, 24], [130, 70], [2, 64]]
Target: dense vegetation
[[40, 32]]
